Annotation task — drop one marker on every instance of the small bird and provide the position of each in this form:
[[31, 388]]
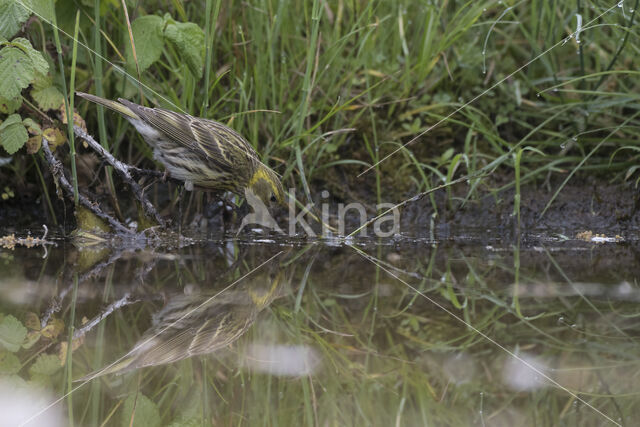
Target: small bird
[[198, 324], [201, 152]]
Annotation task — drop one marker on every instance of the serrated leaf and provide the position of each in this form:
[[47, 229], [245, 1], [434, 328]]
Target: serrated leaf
[[46, 95], [32, 127], [9, 363], [189, 41], [49, 98], [16, 71], [139, 410], [45, 364], [32, 338], [12, 15], [147, 36], [12, 333], [42, 9], [9, 106], [13, 134], [40, 65]]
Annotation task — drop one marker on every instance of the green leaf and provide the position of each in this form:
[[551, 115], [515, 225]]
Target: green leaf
[[9, 363], [40, 65], [42, 9], [32, 127], [45, 364], [46, 95], [189, 41], [16, 71], [147, 35], [8, 106], [12, 15], [143, 411], [12, 332]]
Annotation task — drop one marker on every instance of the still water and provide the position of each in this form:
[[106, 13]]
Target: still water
[[256, 331]]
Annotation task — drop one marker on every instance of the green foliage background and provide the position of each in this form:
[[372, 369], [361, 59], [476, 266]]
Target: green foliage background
[[327, 89]]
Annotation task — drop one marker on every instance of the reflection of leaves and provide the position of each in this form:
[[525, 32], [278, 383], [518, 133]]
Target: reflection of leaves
[[53, 329], [45, 364], [9, 363], [32, 321], [139, 410], [75, 344], [12, 333]]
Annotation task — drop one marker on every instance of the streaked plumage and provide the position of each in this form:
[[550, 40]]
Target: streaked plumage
[[201, 152], [197, 324]]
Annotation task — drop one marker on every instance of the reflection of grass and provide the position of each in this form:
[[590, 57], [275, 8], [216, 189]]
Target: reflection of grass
[[386, 354]]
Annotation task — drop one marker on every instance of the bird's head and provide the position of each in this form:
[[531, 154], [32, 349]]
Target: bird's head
[[267, 186]]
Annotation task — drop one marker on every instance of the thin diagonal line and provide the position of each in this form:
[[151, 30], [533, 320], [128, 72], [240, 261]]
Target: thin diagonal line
[[118, 68], [207, 301], [474, 99], [485, 336]]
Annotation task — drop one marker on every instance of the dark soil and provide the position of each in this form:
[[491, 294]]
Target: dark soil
[[585, 205]]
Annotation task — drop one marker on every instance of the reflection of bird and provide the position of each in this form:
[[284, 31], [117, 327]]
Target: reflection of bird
[[196, 324], [200, 152]]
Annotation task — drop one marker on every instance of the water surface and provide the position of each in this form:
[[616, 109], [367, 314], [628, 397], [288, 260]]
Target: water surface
[[255, 330]]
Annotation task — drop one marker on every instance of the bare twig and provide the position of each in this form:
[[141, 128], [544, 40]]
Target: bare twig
[[58, 172], [124, 171], [127, 299]]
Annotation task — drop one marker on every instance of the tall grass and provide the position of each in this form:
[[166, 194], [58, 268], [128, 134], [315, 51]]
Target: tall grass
[[289, 75]]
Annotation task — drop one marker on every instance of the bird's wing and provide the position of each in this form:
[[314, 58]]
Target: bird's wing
[[212, 139]]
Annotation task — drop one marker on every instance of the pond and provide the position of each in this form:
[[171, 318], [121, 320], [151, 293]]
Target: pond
[[256, 330]]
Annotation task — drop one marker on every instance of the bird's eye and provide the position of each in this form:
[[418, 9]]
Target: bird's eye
[[273, 198]]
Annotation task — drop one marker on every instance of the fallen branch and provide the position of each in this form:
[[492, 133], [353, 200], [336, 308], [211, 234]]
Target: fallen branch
[[57, 171], [125, 172]]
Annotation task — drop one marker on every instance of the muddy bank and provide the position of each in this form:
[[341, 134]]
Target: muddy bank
[[592, 205]]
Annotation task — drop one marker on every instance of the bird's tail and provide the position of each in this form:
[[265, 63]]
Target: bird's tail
[[112, 105]]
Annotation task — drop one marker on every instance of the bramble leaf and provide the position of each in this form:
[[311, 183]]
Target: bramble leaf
[[12, 332], [9, 363], [16, 71], [147, 36], [40, 65], [13, 135], [139, 410], [46, 95], [12, 15], [45, 364], [189, 41], [8, 106]]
